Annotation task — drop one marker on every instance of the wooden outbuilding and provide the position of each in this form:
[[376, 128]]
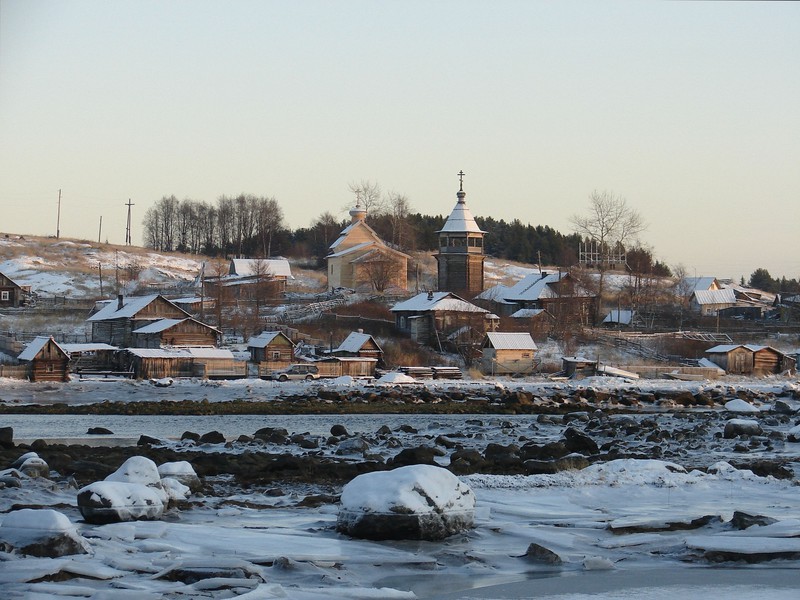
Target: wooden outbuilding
[[46, 360], [750, 359], [271, 351], [432, 316], [204, 363], [508, 354], [360, 344], [336, 366], [175, 332], [578, 367], [12, 294]]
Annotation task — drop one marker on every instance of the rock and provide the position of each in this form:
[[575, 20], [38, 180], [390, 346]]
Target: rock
[[190, 435], [175, 490], [356, 445], [572, 462], [547, 451], [741, 520], [443, 440], [146, 440], [141, 470], [737, 427], [783, 407], [31, 465], [419, 502], [181, 471], [272, 435], [99, 431], [10, 479], [740, 406], [6, 437], [115, 501], [577, 441], [420, 455], [212, 437], [18, 463], [339, 431], [540, 554], [44, 533]]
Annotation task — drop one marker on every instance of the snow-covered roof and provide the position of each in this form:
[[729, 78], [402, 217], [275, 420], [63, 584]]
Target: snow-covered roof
[[346, 231], [130, 307], [87, 347], [181, 353], [461, 219], [159, 326], [510, 341], [432, 301], [723, 296], [32, 349], [527, 313], [262, 340], [248, 267], [624, 317], [352, 249], [355, 342], [496, 293], [536, 286], [725, 348]]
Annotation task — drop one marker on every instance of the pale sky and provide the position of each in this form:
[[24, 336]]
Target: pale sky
[[691, 111]]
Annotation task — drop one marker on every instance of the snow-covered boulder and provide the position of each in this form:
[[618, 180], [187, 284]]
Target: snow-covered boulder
[[394, 378], [175, 490], [31, 465], [141, 470], [420, 502], [41, 532], [736, 427], [794, 434], [114, 501], [181, 471], [741, 406]]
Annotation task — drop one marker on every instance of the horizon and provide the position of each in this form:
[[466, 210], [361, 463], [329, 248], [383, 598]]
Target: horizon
[[689, 111]]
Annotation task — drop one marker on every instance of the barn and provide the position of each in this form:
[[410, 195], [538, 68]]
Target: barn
[[205, 363], [750, 359], [175, 332], [271, 351]]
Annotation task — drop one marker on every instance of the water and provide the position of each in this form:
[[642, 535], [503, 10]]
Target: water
[[72, 427]]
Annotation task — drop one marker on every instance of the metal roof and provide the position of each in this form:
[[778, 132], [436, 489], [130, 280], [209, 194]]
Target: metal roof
[[262, 340], [723, 296], [130, 306], [527, 313], [181, 353], [510, 341], [623, 317], [159, 326], [461, 219], [88, 347]]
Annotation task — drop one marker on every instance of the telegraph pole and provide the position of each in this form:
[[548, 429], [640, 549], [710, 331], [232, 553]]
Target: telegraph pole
[[100, 230], [128, 228], [58, 220]]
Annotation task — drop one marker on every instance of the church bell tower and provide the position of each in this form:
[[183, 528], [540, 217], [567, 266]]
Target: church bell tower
[[461, 255]]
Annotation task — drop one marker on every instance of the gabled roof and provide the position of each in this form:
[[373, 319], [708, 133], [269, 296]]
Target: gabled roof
[[164, 324], [433, 301], [509, 341], [725, 348], [263, 339], [352, 249], [87, 347], [130, 307], [346, 231], [527, 313], [461, 219], [701, 283], [247, 267], [355, 342], [36, 346], [723, 296], [11, 281]]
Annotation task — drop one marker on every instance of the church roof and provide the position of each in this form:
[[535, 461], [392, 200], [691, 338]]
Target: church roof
[[461, 219]]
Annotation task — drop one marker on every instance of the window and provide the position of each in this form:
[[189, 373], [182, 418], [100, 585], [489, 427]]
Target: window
[[276, 355], [49, 368], [4, 296]]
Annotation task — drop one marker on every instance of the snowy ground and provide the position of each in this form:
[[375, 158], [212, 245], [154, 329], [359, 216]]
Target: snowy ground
[[622, 529]]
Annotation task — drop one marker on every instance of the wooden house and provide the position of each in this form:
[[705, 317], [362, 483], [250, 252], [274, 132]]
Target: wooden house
[[204, 363], [430, 317], [116, 321], [12, 294], [360, 259], [508, 354], [91, 357], [710, 302], [46, 360], [360, 344], [750, 359], [271, 351], [175, 332]]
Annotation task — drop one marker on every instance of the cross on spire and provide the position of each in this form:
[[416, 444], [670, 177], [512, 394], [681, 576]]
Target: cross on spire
[[460, 180]]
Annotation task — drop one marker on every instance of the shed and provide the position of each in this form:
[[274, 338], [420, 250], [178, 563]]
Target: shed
[[46, 360], [508, 354], [91, 356], [360, 344], [750, 359], [709, 302], [336, 366], [431, 316], [578, 367], [12, 294], [206, 363], [271, 350]]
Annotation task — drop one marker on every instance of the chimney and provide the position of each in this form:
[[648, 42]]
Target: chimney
[[120, 302], [430, 295], [360, 330]]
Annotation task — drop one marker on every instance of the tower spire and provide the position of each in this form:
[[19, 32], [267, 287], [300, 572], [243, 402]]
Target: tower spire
[[461, 180]]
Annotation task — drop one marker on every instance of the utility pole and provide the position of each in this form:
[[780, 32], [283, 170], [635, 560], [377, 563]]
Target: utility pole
[[100, 274], [128, 227], [100, 230], [58, 219]]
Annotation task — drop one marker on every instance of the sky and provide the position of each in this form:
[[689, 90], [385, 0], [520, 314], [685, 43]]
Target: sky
[[688, 110]]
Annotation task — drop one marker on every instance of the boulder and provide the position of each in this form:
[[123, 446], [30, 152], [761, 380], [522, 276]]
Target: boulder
[[577, 441], [99, 431], [212, 437], [115, 501], [146, 440], [6, 437], [31, 465], [738, 405], [418, 502], [339, 431], [539, 554], [181, 471], [420, 455], [41, 532], [737, 427]]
